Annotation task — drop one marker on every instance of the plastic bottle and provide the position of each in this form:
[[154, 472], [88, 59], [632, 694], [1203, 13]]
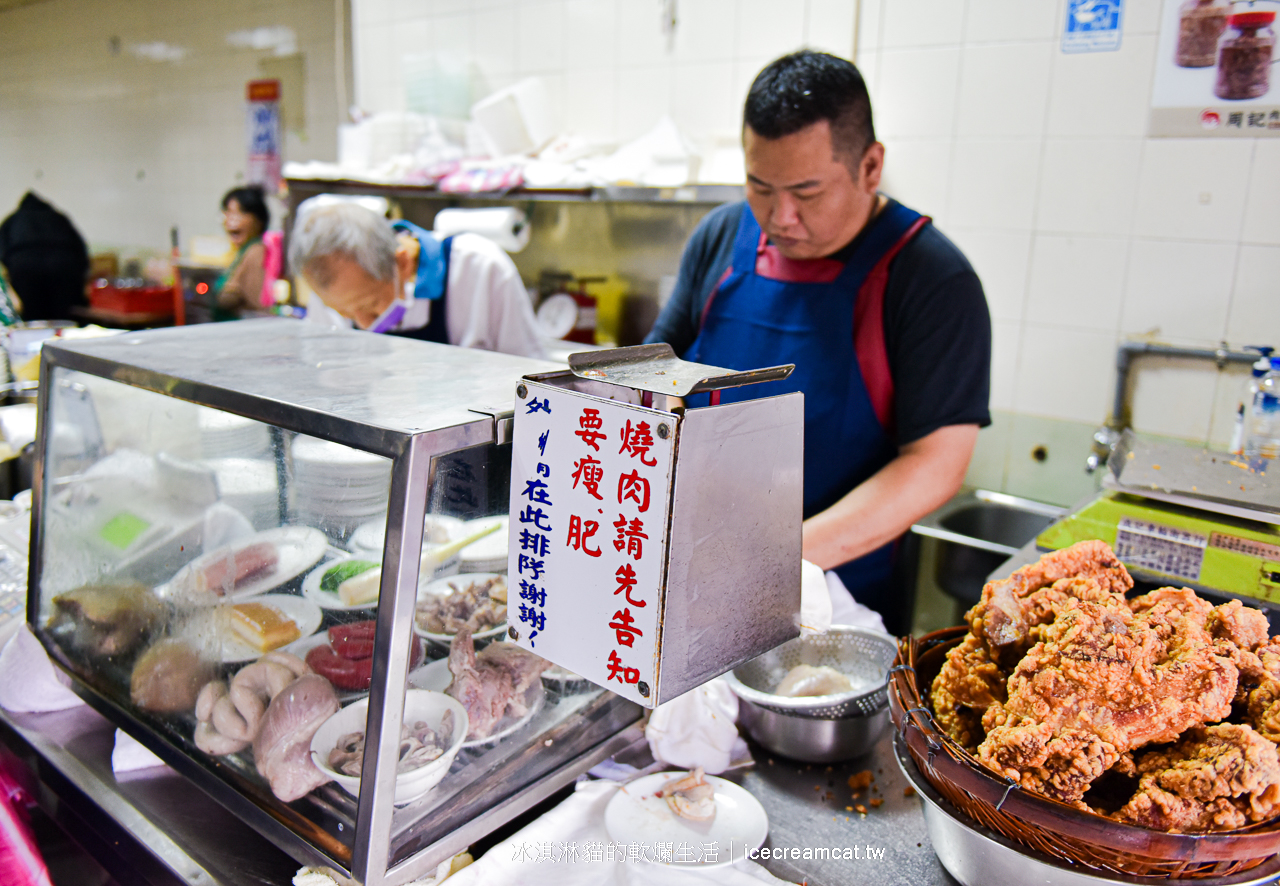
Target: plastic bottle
[[1260, 368], [1263, 437]]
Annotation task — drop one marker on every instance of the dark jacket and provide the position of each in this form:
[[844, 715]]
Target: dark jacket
[[46, 259]]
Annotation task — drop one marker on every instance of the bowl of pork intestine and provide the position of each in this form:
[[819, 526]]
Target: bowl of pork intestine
[[434, 727]]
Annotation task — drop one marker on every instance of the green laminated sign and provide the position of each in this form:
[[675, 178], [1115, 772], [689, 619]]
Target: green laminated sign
[[1178, 545]]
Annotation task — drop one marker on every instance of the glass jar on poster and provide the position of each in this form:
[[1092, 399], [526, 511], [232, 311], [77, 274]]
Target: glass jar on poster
[[1244, 59], [1200, 25]]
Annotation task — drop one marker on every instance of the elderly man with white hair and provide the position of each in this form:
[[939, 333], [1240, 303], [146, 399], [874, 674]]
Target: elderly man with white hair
[[400, 279]]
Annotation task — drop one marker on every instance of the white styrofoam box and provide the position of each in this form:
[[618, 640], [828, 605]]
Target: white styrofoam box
[[922, 23], [1253, 319], [1088, 186], [704, 31], [495, 40], [1003, 88], [1077, 281], [591, 108], [1004, 20], [590, 29], [1262, 209], [994, 184], [639, 39], [1000, 258], [541, 47], [1065, 373], [702, 100], [766, 27], [1180, 287], [918, 173], [1193, 188], [518, 119], [830, 26], [1102, 94], [644, 95], [1173, 397], [915, 92], [1006, 346]]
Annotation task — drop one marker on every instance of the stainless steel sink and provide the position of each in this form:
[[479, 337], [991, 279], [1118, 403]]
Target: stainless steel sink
[[977, 531]]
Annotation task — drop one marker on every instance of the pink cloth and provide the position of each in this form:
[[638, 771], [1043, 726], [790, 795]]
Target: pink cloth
[[272, 265], [20, 861]]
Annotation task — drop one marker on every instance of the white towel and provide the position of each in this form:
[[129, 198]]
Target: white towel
[[129, 755], [29, 682], [696, 729]]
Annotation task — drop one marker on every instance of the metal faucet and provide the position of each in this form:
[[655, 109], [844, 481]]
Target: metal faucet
[[1107, 435]]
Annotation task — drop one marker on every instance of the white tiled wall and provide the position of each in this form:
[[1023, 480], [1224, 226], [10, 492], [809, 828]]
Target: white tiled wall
[[128, 146], [611, 68], [1034, 161], [1084, 230]]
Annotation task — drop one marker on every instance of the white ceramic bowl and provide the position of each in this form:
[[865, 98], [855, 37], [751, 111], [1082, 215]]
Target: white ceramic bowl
[[419, 704]]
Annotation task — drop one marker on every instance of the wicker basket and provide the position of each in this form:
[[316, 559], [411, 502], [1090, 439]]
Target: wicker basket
[[1039, 822]]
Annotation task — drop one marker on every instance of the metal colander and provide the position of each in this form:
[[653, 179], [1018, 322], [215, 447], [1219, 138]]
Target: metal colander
[[861, 655]]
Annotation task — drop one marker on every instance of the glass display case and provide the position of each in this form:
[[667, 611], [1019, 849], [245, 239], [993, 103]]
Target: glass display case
[[276, 555]]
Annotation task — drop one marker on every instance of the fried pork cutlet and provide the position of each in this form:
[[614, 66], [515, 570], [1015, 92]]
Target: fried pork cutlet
[[1215, 778], [1104, 681], [1002, 617]]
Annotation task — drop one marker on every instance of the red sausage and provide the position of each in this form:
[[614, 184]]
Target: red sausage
[[343, 673]]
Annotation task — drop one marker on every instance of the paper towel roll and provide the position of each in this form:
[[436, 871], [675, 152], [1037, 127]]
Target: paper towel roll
[[504, 225]]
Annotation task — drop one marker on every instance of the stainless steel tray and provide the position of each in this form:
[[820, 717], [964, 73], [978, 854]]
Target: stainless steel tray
[[1197, 478]]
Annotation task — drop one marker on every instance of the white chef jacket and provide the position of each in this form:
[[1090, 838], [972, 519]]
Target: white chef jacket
[[486, 305]]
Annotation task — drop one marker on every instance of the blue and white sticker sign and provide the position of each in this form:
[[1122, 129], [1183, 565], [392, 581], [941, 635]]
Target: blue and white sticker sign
[[1092, 25], [590, 501]]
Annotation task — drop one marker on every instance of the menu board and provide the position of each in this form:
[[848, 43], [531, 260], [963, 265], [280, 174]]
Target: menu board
[[590, 501]]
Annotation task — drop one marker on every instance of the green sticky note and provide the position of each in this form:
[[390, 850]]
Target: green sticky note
[[123, 529]]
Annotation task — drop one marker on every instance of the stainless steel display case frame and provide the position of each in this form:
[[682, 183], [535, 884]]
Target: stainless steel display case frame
[[407, 401]]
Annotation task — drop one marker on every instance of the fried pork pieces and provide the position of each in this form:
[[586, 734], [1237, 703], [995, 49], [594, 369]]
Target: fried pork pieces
[[1062, 679]]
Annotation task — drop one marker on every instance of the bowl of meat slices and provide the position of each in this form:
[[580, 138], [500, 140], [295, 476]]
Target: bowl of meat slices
[[1135, 734], [434, 728]]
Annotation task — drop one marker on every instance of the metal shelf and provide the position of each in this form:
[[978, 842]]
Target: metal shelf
[[687, 194]]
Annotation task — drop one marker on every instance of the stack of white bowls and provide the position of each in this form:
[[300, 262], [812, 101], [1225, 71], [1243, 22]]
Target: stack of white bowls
[[223, 435], [249, 485], [335, 487]]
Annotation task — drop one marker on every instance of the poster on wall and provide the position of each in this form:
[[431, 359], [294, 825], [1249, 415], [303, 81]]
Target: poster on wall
[[263, 132], [1092, 26], [1214, 72]]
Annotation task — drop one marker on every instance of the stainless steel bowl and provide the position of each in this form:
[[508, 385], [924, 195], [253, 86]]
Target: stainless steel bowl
[[977, 856], [823, 728]]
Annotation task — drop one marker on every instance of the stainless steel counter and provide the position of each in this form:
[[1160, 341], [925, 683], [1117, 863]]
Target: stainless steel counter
[[154, 828]]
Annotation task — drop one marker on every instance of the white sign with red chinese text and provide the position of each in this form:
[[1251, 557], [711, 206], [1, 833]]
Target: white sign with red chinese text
[[590, 498]]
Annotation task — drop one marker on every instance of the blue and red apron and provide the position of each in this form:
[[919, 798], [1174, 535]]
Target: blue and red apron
[[827, 318], [432, 281]]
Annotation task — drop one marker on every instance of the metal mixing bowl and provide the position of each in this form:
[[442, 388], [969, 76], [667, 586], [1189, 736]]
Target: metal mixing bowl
[[823, 728]]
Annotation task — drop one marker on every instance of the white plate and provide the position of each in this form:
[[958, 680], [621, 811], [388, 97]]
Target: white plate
[[213, 622], [298, 547], [445, 586], [493, 547], [635, 815], [370, 536], [436, 676], [330, 599]]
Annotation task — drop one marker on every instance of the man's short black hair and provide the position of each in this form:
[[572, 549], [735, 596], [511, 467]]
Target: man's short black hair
[[800, 89], [252, 200]]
